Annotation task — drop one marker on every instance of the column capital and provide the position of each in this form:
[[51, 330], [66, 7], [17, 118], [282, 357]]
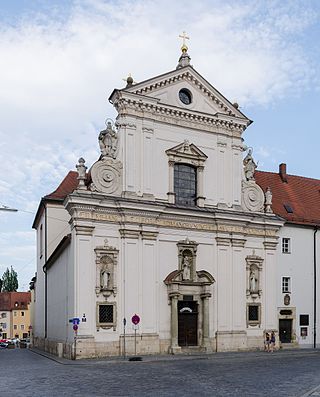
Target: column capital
[[238, 242], [174, 295], [84, 230], [223, 241], [270, 245]]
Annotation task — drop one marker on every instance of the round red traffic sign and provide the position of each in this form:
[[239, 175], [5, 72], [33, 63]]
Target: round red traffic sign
[[135, 319], [75, 327]]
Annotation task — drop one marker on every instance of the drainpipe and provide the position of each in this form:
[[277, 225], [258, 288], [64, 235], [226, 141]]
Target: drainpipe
[[45, 274], [315, 287]]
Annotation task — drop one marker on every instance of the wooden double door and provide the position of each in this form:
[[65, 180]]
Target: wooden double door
[[285, 331], [187, 323]]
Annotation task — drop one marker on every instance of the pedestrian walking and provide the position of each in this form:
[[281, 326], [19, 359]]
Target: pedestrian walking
[[272, 342], [267, 342]]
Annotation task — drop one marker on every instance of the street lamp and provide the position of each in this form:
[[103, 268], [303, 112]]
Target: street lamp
[[6, 208]]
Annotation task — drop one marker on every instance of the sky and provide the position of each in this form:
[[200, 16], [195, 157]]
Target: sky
[[60, 61]]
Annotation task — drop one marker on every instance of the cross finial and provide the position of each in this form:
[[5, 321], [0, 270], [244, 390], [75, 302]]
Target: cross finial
[[184, 37]]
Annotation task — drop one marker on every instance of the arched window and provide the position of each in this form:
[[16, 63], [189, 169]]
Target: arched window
[[185, 184]]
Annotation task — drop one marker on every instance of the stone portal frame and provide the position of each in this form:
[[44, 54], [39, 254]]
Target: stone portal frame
[[283, 314], [257, 321], [186, 153], [106, 262], [200, 289]]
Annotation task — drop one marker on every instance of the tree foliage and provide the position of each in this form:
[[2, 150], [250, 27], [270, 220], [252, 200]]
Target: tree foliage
[[9, 280]]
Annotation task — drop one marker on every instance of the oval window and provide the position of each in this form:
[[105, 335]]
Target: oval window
[[185, 96]]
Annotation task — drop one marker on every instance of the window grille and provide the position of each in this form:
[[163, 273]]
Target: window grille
[[253, 313], [106, 314]]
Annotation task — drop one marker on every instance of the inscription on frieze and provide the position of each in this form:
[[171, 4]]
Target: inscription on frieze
[[175, 223]]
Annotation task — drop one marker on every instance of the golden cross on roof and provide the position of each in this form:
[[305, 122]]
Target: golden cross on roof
[[184, 37]]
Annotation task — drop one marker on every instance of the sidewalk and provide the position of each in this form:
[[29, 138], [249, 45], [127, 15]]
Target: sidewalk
[[170, 357]]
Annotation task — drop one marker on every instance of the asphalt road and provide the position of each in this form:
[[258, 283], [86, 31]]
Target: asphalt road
[[286, 373]]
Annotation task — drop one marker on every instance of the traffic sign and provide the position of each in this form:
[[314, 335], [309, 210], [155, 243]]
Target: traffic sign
[[135, 319], [76, 321], [75, 327]]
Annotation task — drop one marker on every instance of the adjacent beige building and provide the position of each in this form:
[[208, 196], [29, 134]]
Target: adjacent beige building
[[14, 315]]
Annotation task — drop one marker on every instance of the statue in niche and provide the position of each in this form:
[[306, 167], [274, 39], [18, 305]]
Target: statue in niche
[[186, 266], [108, 141], [249, 166], [253, 281], [104, 278]]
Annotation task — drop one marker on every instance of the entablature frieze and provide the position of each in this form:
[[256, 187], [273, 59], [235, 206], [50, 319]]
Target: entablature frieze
[[233, 228]]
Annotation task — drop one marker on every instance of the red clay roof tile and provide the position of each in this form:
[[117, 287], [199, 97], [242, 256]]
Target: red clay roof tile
[[67, 186], [300, 193]]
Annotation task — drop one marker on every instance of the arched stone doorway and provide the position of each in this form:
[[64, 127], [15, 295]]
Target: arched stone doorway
[[189, 292]]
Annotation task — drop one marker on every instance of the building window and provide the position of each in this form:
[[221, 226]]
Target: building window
[[185, 96], [22, 326], [15, 314], [4, 335], [106, 316], [286, 249], [304, 319], [41, 242], [3, 315], [186, 170], [185, 184], [15, 327], [4, 325], [22, 314], [253, 314], [286, 284]]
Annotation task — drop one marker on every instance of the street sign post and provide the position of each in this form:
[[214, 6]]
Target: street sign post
[[135, 319]]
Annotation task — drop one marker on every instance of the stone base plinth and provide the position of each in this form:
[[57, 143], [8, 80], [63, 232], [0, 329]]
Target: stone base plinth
[[231, 341]]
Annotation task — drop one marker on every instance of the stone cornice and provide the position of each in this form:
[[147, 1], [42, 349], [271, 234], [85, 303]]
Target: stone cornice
[[233, 225], [132, 104]]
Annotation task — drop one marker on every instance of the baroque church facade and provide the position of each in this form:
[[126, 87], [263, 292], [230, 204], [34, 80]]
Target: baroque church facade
[[169, 224]]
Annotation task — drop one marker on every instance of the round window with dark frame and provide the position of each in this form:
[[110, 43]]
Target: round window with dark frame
[[185, 96]]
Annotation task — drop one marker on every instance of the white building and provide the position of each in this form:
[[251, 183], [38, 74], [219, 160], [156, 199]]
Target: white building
[[296, 199], [168, 224]]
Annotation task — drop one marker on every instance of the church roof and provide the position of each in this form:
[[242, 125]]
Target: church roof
[[67, 186], [294, 198]]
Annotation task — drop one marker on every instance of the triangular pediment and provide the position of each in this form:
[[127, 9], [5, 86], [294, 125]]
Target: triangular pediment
[[187, 150], [166, 88]]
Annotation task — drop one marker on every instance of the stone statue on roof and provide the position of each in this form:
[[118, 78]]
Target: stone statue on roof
[[249, 166], [108, 141]]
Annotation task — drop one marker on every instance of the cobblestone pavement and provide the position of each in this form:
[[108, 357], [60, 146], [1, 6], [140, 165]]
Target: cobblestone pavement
[[286, 373]]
